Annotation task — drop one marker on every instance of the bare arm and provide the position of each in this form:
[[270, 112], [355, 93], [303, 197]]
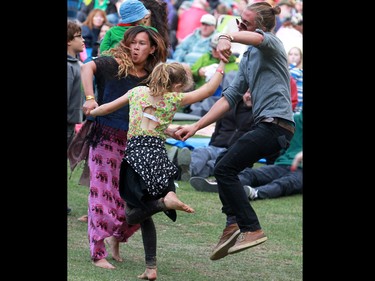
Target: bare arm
[[206, 90], [87, 77], [216, 111], [110, 107], [247, 37], [243, 37]]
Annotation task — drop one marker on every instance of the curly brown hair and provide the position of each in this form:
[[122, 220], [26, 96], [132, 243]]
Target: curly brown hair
[[122, 50]]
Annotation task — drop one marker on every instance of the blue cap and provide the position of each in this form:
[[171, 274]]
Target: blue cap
[[132, 11]]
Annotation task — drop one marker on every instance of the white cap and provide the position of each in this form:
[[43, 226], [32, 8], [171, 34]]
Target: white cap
[[208, 19]]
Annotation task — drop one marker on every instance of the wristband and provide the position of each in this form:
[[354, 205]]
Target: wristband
[[227, 37], [220, 71], [90, 97]]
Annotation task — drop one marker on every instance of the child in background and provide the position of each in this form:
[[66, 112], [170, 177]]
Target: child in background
[[296, 71], [75, 45], [146, 175], [103, 30], [132, 13]]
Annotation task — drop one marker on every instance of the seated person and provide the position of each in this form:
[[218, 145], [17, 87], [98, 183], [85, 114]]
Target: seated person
[[296, 71], [200, 161], [132, 13], [283, 178], [202, 71], [197, 43], [228, 129]]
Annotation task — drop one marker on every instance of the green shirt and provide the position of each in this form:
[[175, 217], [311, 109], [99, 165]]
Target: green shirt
[[205, 60], [295, 146], [113, 36]]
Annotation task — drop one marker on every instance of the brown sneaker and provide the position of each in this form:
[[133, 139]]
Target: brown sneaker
[[248, 239], [227, 240]]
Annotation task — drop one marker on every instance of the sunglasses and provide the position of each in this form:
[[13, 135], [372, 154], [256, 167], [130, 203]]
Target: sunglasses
[[241, 24]]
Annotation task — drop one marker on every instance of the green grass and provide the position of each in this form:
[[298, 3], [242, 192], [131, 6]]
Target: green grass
[[184, 246]]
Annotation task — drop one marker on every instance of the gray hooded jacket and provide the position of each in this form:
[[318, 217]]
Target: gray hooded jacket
[[74, 93]]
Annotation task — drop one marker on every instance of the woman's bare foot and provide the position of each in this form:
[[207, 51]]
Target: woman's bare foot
[[172, 202], [84, 218], [104, 264], [115, 248], [149, 274]]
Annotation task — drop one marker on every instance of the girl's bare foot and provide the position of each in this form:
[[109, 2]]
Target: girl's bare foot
[[104, 264], [115, 248], [172, 202], [149, 274]]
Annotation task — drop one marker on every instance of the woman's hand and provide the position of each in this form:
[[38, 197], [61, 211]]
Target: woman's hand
[[88, 106]]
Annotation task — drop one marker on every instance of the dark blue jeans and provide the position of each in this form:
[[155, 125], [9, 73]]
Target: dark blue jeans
[[273, 181], [263, 140]]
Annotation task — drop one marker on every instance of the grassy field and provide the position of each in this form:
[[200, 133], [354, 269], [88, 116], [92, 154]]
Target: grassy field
[[184, 246]]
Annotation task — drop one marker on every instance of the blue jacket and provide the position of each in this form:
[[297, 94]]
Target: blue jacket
[[192, 48]]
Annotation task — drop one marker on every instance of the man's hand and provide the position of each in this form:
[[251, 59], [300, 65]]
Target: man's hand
[[297, 159], [171, 132], [224, 48], [186, 132]]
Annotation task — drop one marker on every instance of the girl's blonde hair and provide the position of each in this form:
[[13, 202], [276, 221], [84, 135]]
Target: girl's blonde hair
[[166, 75]]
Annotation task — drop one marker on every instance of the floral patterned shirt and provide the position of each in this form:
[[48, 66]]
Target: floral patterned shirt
[[165, 110], [145, 150]]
